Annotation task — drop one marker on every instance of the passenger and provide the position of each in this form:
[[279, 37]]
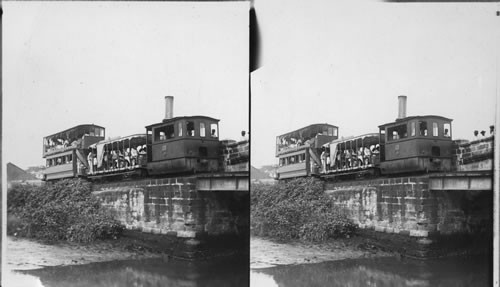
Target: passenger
[[66, 143], [347, 158], [115, 159], [367, 156], [126, 157], [121, 161], [483, 133], [144, 149], [446, 133], [327, 160], [133, 156], [476, 135], [361, 158], [243, 136], [90, 160], [339, 159], [94, 161], [492, 130], [105, 159], [323, 160]]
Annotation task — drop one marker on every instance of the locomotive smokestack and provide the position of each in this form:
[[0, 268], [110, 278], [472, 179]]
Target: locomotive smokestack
[[402, 107], [169, 107]]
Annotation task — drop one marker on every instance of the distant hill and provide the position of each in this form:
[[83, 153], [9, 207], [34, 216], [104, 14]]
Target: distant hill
[[263, 174], [256, 174], [15, 173]]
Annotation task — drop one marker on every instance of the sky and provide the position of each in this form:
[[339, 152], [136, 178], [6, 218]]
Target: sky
[[346, 62], [113, 63]]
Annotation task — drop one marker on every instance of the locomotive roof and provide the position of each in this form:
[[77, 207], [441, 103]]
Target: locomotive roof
[[309, 126], [414, 118], [174, 119], [75, 127]]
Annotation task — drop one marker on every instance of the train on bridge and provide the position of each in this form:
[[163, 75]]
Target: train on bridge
[[188, 144], [413, 144]]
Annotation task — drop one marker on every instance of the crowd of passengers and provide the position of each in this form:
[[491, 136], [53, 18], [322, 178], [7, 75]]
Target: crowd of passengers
[[56, 144], [116, 159], [289, 143], [349, 158]]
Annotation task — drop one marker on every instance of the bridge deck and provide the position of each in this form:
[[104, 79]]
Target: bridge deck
[[478, 180]]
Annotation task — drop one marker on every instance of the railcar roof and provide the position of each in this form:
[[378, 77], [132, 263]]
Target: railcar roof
[[75, 127], [117, 139], [174, 119], [352, 138], [415, 117], [309, 126]]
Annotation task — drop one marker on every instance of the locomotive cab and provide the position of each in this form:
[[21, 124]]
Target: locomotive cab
[[418, 143], [183, 144]]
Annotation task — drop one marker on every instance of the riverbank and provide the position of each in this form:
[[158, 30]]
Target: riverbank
[[26, 254], [266, 252]]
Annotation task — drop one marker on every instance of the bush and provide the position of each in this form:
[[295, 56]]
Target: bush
[[64, 210], [297, 209]]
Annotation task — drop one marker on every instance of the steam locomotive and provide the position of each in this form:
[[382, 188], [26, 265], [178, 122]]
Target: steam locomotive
[[412, 144]]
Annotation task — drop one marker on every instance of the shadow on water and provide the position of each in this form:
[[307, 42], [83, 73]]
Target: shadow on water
[[379, 272], [148, 272]]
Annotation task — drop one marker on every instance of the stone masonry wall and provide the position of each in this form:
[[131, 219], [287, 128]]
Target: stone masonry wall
[[173, 206], [405, 208]]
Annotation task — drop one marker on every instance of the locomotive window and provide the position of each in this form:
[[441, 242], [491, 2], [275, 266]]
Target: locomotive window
[[434, 129], [413, 131], [190, 129], [330, 131], [179, 128], [163, 133], [397, 132], [202, 129], [423, 128], [334, 132], [447, 130], [213, 129]]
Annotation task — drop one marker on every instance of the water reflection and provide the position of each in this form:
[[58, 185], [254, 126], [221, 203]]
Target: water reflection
[[380, 272], [150, 272]]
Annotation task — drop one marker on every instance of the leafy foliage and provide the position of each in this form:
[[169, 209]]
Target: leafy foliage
[[64, 210], [297, 209]]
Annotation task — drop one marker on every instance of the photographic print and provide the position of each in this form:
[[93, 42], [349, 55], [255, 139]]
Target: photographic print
[[125, 143], [376, 166]]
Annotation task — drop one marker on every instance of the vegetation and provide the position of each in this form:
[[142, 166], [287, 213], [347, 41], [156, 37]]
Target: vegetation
[[297, 209], [64, 210]]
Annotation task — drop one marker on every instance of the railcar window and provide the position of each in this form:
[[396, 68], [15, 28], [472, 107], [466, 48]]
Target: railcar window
[[413, 131], [214, 130], [447, 130], [190, 129], [423, 128], [397, 132], [202, 129], [434, 129], [179, 128]]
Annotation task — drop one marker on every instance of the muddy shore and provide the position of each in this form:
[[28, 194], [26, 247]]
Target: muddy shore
[[26, 254], [266, 252]]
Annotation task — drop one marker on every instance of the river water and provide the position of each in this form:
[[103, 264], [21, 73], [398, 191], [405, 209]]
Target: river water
[[378, 272], [145, 272]]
